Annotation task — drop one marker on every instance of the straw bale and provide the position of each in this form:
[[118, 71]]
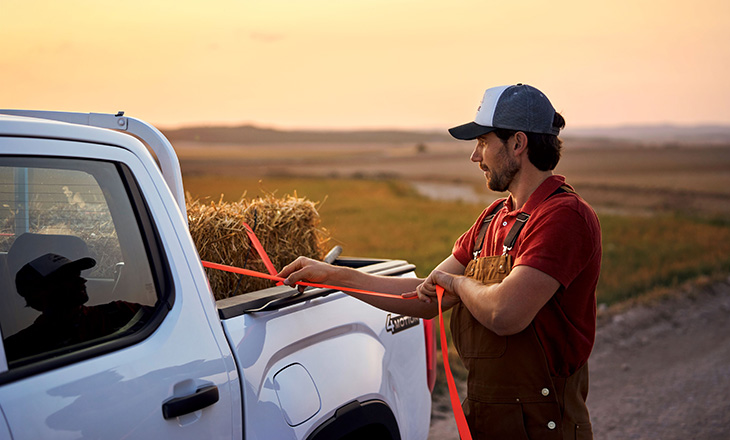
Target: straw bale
[[287, 227]]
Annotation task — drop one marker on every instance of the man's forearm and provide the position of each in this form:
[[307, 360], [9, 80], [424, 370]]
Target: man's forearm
[[508, 307], [383, 284]]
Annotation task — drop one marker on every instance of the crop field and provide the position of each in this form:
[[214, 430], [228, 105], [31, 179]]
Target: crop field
[[664, 212]]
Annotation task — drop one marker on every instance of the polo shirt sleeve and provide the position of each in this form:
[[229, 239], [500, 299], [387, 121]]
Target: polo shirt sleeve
[[560, 243]]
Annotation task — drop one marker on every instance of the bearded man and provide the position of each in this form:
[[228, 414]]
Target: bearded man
[[521, 281]]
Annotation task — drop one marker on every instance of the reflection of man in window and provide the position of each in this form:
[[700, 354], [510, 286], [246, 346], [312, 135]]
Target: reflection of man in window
[[52, 284]]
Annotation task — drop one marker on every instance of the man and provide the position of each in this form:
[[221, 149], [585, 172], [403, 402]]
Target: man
[[521, 281], [52, 284]]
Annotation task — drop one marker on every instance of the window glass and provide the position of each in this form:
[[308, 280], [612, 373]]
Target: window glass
[[74, 271]]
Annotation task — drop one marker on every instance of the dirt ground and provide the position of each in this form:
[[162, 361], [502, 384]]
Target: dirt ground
[[659, 370]]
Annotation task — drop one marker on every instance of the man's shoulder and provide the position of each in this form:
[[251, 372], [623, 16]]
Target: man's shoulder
[[565, 200], [27, 341], [567, 207], [491, 210]]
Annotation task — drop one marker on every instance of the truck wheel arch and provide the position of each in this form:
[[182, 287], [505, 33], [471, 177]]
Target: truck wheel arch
[[359, 420]]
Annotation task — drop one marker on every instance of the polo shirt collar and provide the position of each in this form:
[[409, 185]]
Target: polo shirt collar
[[546, 188]]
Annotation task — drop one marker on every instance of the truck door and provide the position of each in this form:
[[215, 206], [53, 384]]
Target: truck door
[[105, 332], [4, 431]]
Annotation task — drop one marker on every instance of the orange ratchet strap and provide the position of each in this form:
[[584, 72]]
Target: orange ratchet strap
[[254, 273], [260, 249], [461, 424]]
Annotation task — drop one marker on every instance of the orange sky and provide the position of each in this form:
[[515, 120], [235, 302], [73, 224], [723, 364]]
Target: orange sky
[[366, 63]]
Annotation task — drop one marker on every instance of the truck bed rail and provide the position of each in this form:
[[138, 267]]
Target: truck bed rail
[[282, 296]]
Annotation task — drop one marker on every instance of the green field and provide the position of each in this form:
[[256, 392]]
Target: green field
[[664, 213], [387, 219]]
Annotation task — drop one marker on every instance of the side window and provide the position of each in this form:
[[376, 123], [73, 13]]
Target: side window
[[74, 269]]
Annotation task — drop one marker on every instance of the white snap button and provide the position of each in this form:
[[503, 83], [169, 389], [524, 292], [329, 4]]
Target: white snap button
[[551, 425], [504, 223], [545, 391]]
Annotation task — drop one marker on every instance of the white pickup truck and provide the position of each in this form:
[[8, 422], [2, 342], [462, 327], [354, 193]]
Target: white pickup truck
[[264, 365]]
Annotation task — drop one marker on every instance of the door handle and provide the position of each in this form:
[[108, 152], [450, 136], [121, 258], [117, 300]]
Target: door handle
[[203, 397]]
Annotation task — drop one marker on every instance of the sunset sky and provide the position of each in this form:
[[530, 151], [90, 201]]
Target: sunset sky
[[366, 63]]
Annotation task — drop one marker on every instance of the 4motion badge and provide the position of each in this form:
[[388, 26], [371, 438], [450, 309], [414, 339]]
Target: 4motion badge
[[394, 324]]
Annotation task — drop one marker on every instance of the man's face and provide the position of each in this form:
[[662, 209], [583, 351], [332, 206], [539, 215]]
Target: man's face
[[493, 157], [67, 291]]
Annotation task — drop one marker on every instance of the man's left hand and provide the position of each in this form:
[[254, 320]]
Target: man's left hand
[[426, 291]]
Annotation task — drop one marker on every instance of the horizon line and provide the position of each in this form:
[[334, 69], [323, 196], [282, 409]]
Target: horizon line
[[276, 127]]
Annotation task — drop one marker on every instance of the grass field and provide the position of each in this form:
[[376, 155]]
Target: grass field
[[386, 218], [665, 214]]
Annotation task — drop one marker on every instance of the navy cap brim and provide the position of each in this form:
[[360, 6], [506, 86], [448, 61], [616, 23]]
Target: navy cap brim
[[77, 265], [83, 263], [470, 131]]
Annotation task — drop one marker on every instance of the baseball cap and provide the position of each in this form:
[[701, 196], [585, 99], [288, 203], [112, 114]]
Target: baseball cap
[[519, 107], [47, 265]]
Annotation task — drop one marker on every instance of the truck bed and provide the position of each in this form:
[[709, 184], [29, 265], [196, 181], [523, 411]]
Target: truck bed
[[283, 296]]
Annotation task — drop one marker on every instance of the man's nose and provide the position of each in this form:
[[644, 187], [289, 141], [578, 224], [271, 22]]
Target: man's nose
[[476, 155]]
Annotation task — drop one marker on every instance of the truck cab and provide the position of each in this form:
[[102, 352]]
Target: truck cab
[[173, 363]]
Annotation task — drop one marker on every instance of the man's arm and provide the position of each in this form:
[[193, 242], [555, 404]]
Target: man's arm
[[505, 308], [306, 269]]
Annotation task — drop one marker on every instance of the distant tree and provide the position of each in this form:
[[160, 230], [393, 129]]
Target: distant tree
[[421, 148]]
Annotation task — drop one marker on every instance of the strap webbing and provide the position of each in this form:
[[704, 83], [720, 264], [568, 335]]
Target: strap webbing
[[461, 424], [479, 242], [511, 238]]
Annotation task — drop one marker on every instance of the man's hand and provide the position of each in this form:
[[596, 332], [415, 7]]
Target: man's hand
[[426, 291], [308, 270]]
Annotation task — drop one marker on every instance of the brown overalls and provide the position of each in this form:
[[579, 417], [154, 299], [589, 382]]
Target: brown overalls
[[510, 392]]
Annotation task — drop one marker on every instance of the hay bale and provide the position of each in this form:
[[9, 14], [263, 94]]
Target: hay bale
[[286, 227]]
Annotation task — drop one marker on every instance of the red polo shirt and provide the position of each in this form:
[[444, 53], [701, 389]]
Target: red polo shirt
[[562, 238]]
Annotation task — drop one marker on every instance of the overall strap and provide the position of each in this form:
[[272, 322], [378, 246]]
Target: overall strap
[[511, 239], [479, 242]]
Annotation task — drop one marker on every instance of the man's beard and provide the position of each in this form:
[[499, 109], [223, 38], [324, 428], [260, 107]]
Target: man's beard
[[500, 179]]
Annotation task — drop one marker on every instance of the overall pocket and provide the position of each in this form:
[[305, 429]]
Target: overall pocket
[[495, 421], [489, 270], [471, 338]]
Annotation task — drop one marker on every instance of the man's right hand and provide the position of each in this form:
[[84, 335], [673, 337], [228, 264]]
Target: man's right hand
[[308, 270]]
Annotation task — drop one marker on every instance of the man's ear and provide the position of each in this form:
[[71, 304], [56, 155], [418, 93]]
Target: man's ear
[[520, 142]]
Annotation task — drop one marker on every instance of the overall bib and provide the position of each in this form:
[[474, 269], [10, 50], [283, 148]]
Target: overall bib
[[510, 391]]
